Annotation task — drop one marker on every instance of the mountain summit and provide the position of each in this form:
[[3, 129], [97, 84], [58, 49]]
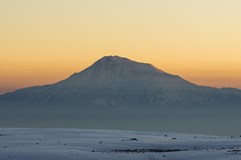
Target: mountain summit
[[116, 81], [116, 62], [118, 66]]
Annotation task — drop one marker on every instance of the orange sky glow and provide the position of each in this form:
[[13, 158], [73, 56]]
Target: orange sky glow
[[43, 42]]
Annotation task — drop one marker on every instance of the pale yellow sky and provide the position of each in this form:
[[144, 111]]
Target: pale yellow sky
[[46, 41]]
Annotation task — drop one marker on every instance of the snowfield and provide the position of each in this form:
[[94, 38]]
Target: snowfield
[[71, 144]]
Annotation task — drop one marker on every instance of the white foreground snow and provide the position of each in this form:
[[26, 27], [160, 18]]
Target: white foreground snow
[[71, 144]]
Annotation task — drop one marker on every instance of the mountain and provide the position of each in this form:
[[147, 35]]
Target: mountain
[[118, 93], [115, 81]]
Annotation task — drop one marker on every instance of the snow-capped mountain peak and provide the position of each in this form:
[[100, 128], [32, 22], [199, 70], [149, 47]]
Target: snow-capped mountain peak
[[118, 81], [117, 65]]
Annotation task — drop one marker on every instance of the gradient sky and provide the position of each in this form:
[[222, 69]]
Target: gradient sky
[[44, 41]]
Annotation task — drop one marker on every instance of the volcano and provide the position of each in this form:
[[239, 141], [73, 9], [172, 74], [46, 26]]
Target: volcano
[[118, 93], [115, 82]]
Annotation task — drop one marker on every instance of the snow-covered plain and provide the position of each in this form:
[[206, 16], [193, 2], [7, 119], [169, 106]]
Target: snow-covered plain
[[71, 144]]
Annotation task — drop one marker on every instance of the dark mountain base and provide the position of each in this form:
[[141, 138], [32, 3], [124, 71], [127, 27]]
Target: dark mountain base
[[204, 120]]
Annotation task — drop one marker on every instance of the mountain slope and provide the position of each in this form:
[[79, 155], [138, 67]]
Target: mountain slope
[[117, 81]]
